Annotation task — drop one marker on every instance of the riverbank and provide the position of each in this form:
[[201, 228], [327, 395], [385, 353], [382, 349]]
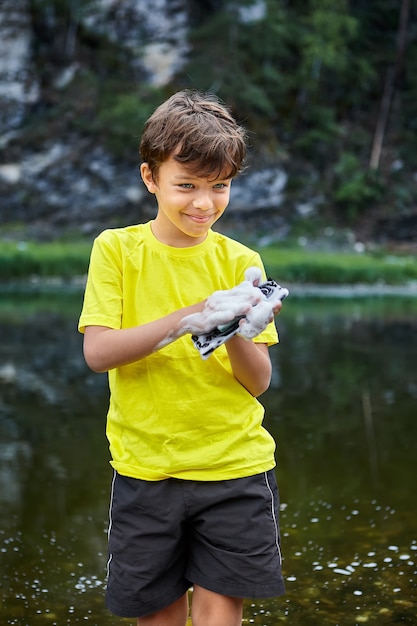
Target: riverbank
[[32, 265], [75, 285]]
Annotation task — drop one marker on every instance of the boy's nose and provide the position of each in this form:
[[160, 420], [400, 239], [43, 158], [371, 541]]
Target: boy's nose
[[203, 202]]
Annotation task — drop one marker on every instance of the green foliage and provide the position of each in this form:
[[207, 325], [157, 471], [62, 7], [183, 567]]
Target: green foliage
[[320, 137], [121, 117], [408, 119], [329, 29], [356, 187], [243, 61], [303, 266], [22, 260], [301, 73]]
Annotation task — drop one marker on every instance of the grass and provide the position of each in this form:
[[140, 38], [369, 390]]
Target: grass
[[20, 261], [297, 265], [24, 260]]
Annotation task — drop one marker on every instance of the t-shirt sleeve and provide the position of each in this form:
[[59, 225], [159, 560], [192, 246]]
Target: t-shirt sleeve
[[268, 336], [102, 304]]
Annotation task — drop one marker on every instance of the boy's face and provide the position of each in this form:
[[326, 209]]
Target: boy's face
[[187, 205]]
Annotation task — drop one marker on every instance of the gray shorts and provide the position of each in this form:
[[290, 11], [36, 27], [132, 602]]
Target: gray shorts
[[167, 535]]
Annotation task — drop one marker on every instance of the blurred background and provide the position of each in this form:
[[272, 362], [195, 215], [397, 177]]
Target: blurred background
[[341, 407], [326, 88], [328, 92]]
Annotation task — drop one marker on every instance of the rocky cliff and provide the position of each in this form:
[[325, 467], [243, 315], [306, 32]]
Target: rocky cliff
[[58, 174], [69, 182]]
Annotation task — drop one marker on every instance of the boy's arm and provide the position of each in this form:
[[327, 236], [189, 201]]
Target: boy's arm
[[250, 361], [251, 364], [106, 348]]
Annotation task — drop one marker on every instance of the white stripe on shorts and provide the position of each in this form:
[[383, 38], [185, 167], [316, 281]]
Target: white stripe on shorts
[[274, 517], [110, 518]]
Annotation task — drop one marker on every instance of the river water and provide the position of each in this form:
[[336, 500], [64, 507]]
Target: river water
[[342, 407]]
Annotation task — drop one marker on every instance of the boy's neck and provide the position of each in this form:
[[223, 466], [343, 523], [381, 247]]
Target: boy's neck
[[177, 239]]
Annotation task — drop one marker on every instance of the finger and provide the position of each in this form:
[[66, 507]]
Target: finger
[[253, 275], [277, 307]]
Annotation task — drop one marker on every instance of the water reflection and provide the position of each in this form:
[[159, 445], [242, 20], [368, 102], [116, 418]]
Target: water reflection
[[341, 407], [344, 419]]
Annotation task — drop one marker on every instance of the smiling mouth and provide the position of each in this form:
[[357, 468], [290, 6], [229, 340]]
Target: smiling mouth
[[199, 218]]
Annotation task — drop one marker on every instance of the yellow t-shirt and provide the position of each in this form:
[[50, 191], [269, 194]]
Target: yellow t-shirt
[[173, 414]]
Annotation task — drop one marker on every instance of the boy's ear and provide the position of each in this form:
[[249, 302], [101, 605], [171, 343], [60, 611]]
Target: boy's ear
[[147, 177]]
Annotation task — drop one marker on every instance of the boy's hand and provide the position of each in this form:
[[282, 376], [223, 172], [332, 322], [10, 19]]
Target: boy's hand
[[258, 318], [222, 307], [266, 302]]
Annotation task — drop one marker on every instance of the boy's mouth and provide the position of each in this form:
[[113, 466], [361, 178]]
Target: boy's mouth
[[199, 219]]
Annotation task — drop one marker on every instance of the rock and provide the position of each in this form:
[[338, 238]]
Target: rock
[[10, 173], [8, 373], [19, 86]]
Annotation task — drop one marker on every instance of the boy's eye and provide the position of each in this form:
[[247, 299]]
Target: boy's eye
[[191, 186]]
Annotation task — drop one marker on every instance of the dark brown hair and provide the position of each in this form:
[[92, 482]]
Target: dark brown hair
[[197, 130]]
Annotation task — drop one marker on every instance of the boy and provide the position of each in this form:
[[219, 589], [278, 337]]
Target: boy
[[194, 501]]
